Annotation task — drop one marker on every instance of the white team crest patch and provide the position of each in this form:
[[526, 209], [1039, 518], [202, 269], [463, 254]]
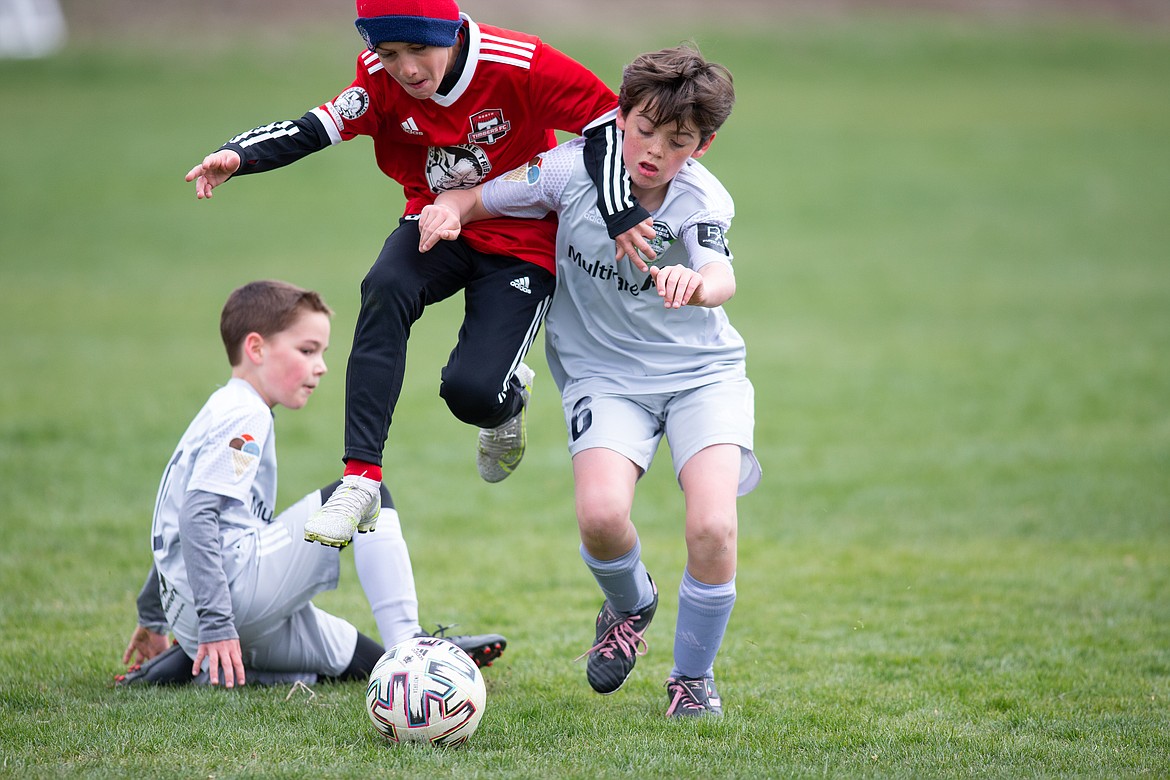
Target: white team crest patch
[[352, 103]]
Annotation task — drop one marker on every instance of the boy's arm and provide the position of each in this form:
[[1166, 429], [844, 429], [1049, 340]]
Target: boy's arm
[[531, 191], [444, 219], [202, 556], [707, 279], [150, 609], [261, 149], [627, 222]]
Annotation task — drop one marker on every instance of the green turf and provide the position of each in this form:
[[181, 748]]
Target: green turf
[[951, 247]]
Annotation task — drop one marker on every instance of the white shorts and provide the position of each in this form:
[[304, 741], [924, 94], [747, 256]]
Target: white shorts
[[691, 420], [278, 574]]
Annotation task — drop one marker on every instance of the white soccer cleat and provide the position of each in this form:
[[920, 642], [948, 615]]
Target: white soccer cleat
[[501, 449], [354, 506]]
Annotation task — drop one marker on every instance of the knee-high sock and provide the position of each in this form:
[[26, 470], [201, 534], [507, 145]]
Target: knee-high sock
[[383, 567], [703, 612], [623, 580]]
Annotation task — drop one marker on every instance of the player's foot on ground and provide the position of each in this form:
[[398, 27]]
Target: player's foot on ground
[[617, 645], [483, 648], [501, 449], [692, 697], [353, 506], [170, 667]]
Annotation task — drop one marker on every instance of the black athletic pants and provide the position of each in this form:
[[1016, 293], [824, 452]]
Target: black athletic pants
[[505, 300]]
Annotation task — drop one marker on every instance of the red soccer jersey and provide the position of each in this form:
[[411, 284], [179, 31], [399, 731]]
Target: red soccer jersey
[[514, 92]]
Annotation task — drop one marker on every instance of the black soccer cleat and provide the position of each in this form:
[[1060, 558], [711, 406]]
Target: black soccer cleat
[[693, 697], [170, 667], [617, 644], [482, 648]]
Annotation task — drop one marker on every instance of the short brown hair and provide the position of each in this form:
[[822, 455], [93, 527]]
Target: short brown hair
[[678, 85], [266, 307]]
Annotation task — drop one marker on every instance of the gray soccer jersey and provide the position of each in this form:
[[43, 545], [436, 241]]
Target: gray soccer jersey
[[229, 449], [607, 321]]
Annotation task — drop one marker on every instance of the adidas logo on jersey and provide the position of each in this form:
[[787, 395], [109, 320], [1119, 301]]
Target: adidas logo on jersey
[[521, 284], [409, 126]]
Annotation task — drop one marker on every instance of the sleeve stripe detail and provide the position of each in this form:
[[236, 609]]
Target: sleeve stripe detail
[[265, 133], [371, 61], [504, 49], [329, 122], [617, 194], [488, 39], [505, 60]]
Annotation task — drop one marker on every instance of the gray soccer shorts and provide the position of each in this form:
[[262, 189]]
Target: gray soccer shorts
[[633, 425], [276, 575]]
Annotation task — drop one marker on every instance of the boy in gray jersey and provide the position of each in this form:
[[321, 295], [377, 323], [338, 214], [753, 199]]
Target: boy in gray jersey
[[231, 579], [640, 352]]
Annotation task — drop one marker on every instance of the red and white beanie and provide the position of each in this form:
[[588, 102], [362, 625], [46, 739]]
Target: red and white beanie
[[428, 22]]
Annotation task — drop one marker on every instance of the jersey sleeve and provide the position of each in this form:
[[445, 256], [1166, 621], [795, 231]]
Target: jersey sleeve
[[356, 109], [229, 458], [603, 160], [199, 530], [532, 190], [705, 238], [275, 145], [151, 615]]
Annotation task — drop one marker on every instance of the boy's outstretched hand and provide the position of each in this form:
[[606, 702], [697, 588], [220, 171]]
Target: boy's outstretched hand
[[215, 169]]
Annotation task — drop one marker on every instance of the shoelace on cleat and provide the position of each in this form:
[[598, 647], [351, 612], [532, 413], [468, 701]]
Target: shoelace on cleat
[[682, 698], [351, 498], [621, 637]]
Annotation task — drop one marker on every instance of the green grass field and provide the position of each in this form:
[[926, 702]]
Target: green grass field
[[952, 251]]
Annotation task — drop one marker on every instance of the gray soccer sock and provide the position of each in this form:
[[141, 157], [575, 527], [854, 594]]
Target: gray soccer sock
[[703, 612], [623, 580]]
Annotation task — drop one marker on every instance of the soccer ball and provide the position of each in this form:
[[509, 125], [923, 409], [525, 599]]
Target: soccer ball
[[426, 690]]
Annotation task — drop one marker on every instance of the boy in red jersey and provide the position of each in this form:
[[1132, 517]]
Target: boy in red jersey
[[449, 103]]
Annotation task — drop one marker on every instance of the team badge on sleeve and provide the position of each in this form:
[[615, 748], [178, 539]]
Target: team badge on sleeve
[[245, 451], [711, 237], [352, 103], [528, 173]]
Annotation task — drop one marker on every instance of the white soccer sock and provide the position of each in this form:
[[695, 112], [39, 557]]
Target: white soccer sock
[[383, 567]]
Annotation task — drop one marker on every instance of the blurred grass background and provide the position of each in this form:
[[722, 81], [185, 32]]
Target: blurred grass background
[[951, 245]]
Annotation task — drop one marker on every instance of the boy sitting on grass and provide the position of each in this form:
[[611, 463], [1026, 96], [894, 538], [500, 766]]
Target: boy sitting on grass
[[632, 369], [231, 579]]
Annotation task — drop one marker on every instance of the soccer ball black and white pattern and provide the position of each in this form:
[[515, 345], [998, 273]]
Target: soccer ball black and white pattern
[[426, 690]]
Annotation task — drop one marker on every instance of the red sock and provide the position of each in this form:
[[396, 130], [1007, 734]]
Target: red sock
[[363, 469]]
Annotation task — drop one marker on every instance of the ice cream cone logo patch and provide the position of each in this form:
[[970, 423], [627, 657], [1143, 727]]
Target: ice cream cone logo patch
[[245, 451]]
